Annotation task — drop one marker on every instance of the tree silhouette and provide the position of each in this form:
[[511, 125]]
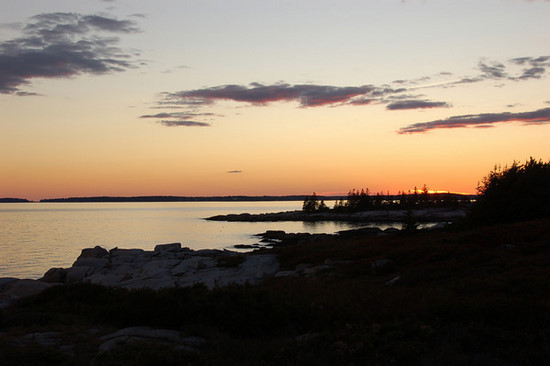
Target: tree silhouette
[[520, 192]]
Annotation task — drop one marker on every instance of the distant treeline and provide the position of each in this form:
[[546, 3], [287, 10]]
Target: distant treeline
[[362, 200], [184, 199], [13, 200]]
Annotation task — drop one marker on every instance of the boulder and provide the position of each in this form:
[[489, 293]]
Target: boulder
[[172, 247], [95, 252], [93, 262], [78, 273], [125, 255], [18, 289], [5, 280], [55, 275], [159, 267], [259, 266], [193, 264]]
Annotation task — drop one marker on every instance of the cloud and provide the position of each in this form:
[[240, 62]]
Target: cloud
[[533, 68], [541, 116], [180, 119], [27, 94], [494, 71], [234, 171], [415, 104], [258, 94], [60, 45], [183, 123], [180, 115]]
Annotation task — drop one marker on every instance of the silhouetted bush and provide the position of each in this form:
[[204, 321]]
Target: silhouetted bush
[[313, 204], [516, 193]]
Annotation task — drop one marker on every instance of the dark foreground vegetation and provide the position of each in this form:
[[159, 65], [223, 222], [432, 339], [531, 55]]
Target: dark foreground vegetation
[[474, 295]]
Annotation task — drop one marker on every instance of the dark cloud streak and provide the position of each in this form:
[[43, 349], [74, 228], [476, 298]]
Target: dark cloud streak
[[415, 104], [541, 116], [184, 123], [258, 94]]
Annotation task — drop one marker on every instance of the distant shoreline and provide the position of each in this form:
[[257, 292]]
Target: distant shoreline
[[167, 199], [264, 198]]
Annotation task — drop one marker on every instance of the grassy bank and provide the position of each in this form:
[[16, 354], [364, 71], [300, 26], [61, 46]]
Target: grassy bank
[[468, 297]]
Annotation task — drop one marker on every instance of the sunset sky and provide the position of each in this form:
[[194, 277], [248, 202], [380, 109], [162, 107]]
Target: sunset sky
[[272, 97]]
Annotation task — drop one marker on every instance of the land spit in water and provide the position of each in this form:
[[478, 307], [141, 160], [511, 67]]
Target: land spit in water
[[421, 215]]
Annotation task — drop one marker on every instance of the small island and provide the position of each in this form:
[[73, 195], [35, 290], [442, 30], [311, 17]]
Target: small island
[[360, 206]]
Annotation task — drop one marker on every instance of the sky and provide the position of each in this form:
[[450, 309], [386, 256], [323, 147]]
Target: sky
[[274, 97]]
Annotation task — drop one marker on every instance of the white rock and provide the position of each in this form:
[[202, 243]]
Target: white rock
[[260, 266], [159, 267]]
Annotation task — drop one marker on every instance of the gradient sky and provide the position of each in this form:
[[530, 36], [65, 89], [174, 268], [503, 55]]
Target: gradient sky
[[206, 97]]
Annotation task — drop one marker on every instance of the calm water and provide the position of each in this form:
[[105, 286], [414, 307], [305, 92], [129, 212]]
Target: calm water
[[35, 237]]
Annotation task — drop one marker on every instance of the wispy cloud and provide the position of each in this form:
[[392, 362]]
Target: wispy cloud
[[180, 119], [170, 123], [234, 171], [400, 96], [416, 104], [541, 116], [60, 45]]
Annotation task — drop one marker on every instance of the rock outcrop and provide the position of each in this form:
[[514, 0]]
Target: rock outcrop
[[167, 266], [13, 289]]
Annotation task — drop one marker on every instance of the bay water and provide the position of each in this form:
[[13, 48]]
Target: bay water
[[35, 237]]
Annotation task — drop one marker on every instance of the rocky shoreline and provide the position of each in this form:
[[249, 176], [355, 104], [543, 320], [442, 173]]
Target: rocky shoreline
[[167, 266], [421, 215], [174, 266]]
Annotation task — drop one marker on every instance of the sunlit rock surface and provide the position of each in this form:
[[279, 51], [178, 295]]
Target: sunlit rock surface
[[167, 266]]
